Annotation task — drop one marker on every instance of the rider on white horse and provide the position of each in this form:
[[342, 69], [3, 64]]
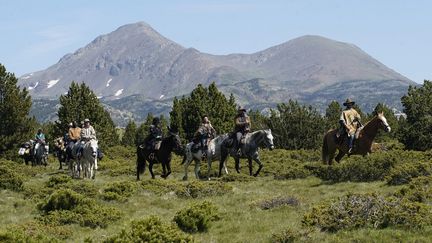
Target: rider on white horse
[[242, 127], [204, 134], [87, 133], [40, 140]]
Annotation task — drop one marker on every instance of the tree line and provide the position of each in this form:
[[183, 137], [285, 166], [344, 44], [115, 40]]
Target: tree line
[[295, 126]]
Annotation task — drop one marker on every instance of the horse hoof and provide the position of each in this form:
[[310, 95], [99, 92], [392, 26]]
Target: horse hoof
[[185, 178]]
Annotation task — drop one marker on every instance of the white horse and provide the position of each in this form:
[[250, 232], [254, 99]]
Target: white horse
[[213, 154], [88, 159]]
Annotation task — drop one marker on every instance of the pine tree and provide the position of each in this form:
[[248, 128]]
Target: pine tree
[[417, 132], [129, 135], [187, 112], [80, 103], [16, 126], [143, 130], [332, 115], [296, 126], [258, 120]]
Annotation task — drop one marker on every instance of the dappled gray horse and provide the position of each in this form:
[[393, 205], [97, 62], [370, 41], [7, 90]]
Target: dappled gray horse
[[88, 160], [249, 150], [213, 154]]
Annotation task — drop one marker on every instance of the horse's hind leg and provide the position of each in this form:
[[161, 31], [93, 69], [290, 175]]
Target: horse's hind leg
[[237, 164], [151, 169], [186, 165], [209, 162], [197, 168]]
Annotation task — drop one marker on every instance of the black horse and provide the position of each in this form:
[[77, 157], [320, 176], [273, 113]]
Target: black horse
[[169, 144]]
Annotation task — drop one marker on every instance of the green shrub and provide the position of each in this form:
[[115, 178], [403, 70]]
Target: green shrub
[[151, 229], [119, 191], [237, 177], [297, 172], [63, 199], [34, 231], [404, 173], [276, 202], [418, 190], [9, 179], [65, 206], [197, 189], [289, 235], [358, 169], [370, 210], [197, 217], [160, 187], [58, 180]]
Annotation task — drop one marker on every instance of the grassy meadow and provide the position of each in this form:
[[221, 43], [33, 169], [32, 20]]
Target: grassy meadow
[[294, 199]]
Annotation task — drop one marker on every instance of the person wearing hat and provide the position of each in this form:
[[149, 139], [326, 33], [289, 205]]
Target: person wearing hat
[[350, 122], [242, 127], [40, 140], [204, 134], [87, 133], [154, 138], [74, 133]]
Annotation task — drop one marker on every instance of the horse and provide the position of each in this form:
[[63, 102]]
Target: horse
[[163, 155], [88, 160], [249, 149], [60, 151], [26, 152], [363, 144], [40, 154], [213, 153]]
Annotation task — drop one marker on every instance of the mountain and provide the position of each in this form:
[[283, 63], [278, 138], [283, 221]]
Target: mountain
[[135, 70]]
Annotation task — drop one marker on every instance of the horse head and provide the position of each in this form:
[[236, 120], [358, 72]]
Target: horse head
[[268, 139], [383, 122], [93, 143]]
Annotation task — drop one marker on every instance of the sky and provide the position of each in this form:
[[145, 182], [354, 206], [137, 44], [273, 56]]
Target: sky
[[36, 34]]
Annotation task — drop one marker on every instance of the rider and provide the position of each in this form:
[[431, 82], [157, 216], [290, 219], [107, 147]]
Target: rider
[[87, 133], [40, 140], [154, 138], [74, 133], [350, 122], [204, 134], [242, 127]]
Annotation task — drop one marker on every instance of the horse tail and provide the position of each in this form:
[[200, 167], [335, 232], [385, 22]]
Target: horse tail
[[141, 161], [324, 152]]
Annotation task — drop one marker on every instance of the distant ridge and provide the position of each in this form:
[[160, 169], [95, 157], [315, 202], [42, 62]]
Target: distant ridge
[[136, 64]]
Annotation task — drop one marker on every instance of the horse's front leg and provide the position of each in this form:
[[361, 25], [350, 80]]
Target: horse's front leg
[[186, 168], [237, 164], [151, 169], [339, 156], [164, 170], [168, 166], [260, 165], [250, 165], [209, 162]]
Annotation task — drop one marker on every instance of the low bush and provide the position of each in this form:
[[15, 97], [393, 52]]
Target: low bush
[[160, 187], [10, 179], [197, 189], [57, 180], [404, 173], [296, 172], [151, 229], [370, 210], [65, 206], [418, 190], [119, 191], [289, 235], [197, 217], [237, 177], [34, 231], [276, 202]]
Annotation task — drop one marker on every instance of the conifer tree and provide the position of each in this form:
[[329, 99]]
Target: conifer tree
[[332, 115], [130, 134], [80, 103], [16, 126]]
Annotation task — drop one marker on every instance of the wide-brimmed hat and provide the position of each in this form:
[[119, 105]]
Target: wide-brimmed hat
[[348, 102], [241, 109]]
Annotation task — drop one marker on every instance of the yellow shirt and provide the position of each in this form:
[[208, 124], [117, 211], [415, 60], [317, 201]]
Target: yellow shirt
[[349, 117]]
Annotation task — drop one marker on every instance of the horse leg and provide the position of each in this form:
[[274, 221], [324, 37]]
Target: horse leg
[[168, 166], [209, 162], [260, 165], [339, 156], [223, 158], [197, 168], [164, 172], [186, 165], [250, 166], [237, 164], [151, 169]]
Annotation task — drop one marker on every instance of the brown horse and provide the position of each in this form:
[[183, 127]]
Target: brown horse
[[362, 145]]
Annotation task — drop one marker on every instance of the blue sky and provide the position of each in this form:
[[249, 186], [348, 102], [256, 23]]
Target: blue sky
[[36, 34]]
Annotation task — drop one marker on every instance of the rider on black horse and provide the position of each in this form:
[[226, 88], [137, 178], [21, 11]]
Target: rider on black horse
[[154, 138]]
